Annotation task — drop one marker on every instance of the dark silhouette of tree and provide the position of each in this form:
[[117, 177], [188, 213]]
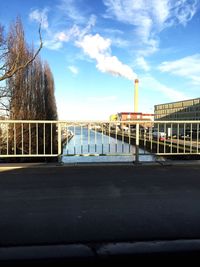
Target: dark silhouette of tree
[[50, 103]]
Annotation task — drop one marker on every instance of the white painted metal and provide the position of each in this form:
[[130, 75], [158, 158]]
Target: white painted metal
[[21, 138]]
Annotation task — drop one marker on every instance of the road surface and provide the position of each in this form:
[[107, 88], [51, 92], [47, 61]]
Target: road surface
[[52, 205]]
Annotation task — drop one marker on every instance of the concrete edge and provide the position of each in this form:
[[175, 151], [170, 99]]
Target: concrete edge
[[149, 247], [98, 250], [13, 166], [45, 252]]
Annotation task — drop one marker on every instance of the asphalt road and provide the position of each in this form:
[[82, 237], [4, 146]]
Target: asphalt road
[[81, 204]]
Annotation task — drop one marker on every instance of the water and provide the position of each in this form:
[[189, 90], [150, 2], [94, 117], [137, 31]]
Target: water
[[87, 145]]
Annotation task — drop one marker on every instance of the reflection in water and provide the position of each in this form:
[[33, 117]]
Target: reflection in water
[[90, 144]]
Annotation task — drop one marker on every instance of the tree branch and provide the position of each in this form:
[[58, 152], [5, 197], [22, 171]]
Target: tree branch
[[15, 68]]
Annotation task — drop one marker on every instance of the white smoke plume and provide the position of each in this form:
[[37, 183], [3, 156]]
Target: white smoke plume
[[98, 48]]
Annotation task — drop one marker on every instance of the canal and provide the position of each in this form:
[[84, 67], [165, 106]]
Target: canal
[[88, 145]]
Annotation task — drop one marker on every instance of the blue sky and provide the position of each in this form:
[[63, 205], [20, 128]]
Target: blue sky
[[97, 48]]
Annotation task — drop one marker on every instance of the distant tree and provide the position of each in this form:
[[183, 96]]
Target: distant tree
[[49, 97]]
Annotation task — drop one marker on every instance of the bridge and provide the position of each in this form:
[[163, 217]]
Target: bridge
[[91, 212], [26, 138]]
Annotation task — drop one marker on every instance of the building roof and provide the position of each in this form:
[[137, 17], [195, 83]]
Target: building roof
[[178, 101], [129, 113], [135, 113]]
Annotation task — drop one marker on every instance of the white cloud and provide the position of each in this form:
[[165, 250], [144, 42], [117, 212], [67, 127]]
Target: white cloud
[[55, 40], [112, 31], [65, 36], [150, 83], [149, 17], [118, 37], [184, 10], [40, 16], [53, 44], [91, 23], [73, 69], [119, 42], [98, 48], [161, 11], [195, 80], [187, 67], [141, 63], [71, 11], [62, 36]]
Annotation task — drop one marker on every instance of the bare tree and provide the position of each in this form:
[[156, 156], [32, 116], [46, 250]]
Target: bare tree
[[30, 94], [8, 70], [3, 56], [50, 103]]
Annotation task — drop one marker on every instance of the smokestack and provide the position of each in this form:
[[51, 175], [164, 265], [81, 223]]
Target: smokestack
[[136, 96]]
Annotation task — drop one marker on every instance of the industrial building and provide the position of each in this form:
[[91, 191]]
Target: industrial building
[[180, 110], [129, 116], [146, 120], [133, 116]]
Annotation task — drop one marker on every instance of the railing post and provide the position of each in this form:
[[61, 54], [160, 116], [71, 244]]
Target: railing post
[[137, 144], [59, 143]]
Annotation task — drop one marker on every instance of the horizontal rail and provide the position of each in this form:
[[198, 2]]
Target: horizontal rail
[[175, 154], [38, 138], [28, 156], [99, 121]]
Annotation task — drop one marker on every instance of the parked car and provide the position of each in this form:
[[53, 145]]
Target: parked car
[[159, 135]]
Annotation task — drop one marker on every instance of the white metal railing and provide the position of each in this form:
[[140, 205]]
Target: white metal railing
[[69, 138], [29, 138]]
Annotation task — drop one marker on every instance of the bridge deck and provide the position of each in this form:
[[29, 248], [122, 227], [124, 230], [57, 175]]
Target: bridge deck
[[59, 205]]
